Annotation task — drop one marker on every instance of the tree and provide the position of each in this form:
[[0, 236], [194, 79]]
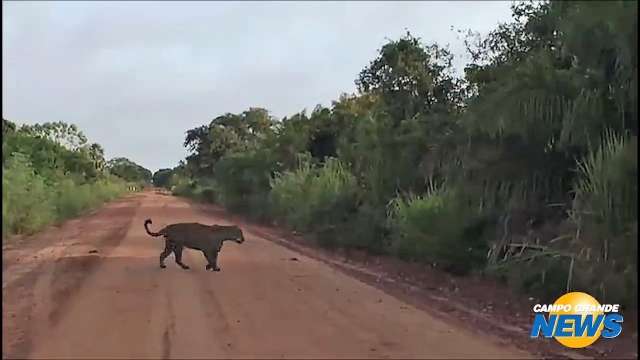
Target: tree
[[539, 137], [48, 157], [67, 135], [225, 134], [96, 153], [128, 170], [8, 128], [411, 78], [545, 92], [162, 177], [324, 133], [49, 174]]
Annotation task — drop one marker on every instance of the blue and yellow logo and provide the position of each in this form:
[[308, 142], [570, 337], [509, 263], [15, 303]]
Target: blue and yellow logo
[[577, 320]]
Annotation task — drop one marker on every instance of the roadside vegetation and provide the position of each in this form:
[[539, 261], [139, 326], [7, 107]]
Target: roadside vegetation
[[524, 169], [51, 173]]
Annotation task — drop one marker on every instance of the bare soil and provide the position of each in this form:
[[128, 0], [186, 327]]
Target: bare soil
[[92, 288]]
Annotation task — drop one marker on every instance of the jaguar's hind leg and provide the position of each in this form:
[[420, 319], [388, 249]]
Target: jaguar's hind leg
[[177, 252], [168, 248], [212, 259]]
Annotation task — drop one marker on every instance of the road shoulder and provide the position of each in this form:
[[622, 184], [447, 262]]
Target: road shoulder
[[480, 305]]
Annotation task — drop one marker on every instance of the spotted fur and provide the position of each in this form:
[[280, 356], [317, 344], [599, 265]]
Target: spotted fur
[[206, 238]]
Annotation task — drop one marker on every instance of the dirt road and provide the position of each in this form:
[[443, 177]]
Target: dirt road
[[93, 288]]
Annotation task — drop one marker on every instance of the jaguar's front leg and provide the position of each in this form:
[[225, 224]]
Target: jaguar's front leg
[[177, 251], [212, 258]]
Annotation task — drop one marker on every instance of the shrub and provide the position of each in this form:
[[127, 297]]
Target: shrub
[[205, 190], [207, 194], [26, 202], [108, 188], [437, 228], [73, 199], [242, 181], [31, 202], [181, 186], [605, 213], [313, 199], [289, 197], [542, 276], [602, 258], [366, 229], [606, 193]]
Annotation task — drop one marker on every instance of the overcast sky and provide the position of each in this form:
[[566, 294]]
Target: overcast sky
[[134, 76]]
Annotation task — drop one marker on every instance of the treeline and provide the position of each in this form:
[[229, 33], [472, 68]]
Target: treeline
[[50, 173], [525, 168]]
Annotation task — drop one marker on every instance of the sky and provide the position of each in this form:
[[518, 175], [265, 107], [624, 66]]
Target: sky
[[134, 76]]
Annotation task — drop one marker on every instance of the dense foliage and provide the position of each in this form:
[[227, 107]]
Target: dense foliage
[[51, 173], [161, 177], [525, 169], [128, 170]]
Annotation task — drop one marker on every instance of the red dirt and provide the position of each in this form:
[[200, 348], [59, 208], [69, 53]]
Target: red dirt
[[480, 304], [92, 287]]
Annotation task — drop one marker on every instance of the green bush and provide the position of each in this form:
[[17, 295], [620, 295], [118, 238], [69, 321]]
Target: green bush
[[242, 182], [289, 196], [544, 276], [365, 228], [605, 213], [207, 194], [73, 199], [312, 199], [181, 186], [30, 202], [437, 228], [27, 204], [606, 192], [109, 188]]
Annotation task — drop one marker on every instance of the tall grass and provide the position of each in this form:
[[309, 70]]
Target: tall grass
[[30, 202], [601, 257], [310, 198], [73, 199], [606, 188], [27, 204], [605, 213]]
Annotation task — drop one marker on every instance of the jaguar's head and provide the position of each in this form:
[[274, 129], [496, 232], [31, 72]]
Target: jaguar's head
[[231, 232], [239, 236]]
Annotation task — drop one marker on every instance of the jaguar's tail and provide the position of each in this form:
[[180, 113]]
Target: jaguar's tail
[[146, 227]]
